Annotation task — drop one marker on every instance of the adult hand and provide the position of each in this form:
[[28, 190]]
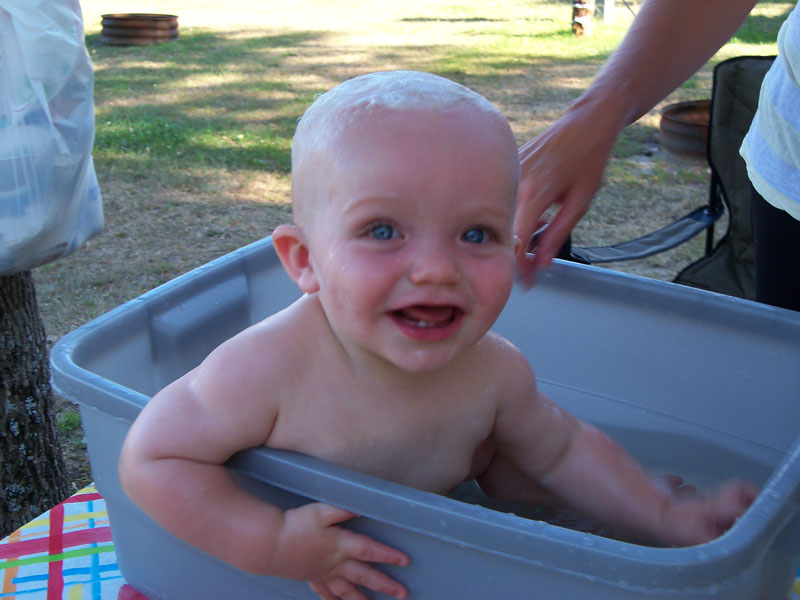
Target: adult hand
[[563, 167]]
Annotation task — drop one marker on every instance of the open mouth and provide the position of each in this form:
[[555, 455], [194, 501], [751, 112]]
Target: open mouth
[[428, 317]]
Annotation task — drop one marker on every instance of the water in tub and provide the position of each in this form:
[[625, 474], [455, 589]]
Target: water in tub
[[702, 462]]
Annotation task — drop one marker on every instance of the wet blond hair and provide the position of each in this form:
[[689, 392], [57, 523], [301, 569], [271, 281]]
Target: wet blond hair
[[333, 112]]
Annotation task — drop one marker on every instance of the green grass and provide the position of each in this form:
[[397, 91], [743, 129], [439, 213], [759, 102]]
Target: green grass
[[761, 28], [226, 96], [68, 422]]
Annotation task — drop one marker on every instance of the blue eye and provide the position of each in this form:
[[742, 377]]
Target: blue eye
[[382, 232], [475, 235]]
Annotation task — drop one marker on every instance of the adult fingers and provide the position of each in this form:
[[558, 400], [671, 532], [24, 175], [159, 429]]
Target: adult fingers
[[553, 236], [531, 205], [572, 198], [526, 271]]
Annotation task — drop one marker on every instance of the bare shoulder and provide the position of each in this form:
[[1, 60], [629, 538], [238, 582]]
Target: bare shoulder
[[529, 428], [507, 362], [518, 398], [232, 399], [269, 355]]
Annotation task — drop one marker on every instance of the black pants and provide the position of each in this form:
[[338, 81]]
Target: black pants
[[776, 241]]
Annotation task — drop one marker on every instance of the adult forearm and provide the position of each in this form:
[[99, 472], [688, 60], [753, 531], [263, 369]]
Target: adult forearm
[[668, 42]]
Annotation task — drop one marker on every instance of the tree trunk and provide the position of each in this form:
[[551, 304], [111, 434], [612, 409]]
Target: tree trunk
[[32, 474]]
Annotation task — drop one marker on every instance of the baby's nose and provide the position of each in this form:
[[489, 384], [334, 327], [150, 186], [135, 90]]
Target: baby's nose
[[435, 265]]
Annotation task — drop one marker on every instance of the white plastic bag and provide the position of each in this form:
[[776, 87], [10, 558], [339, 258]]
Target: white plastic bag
[[49, 198]]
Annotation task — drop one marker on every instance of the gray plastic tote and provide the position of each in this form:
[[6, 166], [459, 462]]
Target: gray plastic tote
[[49, 198]]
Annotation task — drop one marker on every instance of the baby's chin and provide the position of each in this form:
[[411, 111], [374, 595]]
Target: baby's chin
[[422, 357], [423, 361]]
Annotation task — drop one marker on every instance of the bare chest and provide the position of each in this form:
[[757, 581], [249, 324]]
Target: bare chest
[[426, 443]]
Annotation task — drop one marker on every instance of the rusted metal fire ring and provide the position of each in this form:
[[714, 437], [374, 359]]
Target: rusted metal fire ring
[[138, 29], [684, 128]]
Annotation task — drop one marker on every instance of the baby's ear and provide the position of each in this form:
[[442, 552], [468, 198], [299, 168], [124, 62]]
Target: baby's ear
[[290, 244]]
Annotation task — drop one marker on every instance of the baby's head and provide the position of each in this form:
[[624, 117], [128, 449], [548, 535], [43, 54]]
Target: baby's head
[[366, 109], [404, 187]]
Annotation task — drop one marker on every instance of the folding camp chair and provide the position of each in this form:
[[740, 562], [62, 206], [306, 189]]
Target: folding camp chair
[[727, 267]]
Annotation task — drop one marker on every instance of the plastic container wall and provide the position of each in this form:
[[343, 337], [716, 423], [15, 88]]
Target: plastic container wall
[[690, 381]]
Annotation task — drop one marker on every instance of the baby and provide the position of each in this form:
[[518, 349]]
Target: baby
[[404, 187]]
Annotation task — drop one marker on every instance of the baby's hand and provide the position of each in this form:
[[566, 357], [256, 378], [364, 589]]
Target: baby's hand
[[693, 518], [332, 559]]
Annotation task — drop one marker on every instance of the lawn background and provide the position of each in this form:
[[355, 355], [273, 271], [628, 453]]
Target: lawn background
[[193, 136]]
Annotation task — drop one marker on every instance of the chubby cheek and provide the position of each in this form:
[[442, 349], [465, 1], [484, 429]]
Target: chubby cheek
[[357, 285], [492, 283]]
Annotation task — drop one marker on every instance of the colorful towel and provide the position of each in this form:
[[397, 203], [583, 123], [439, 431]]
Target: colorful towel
[[66, 553]]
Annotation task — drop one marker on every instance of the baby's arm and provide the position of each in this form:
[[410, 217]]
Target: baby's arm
[[171, 466], [600, 479], [597, 477]]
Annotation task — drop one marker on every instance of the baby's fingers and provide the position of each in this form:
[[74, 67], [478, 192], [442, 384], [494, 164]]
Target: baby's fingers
[[352, 575], [336, 590], [357, 546], [322, 589], [362, 574], [676, 485], [333, 515], [356, 552], [732, 500], [365, 549]]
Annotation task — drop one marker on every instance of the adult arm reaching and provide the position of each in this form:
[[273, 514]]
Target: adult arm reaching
[[667, 42]]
